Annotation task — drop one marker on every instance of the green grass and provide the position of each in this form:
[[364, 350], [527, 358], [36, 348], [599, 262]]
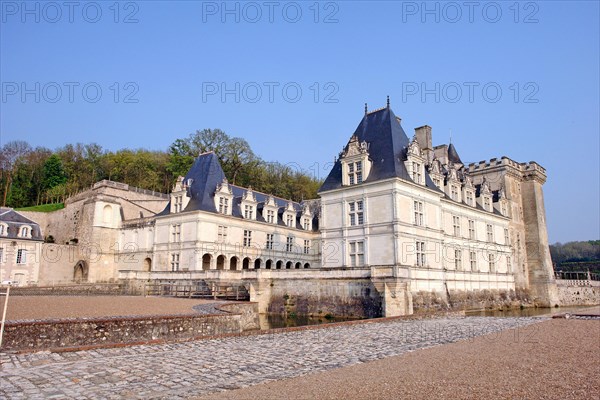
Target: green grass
[[43, 207]]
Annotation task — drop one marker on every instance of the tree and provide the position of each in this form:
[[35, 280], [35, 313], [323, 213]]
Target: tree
[[54, 173], [10, 154]]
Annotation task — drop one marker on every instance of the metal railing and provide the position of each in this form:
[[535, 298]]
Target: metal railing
[[198, 289]]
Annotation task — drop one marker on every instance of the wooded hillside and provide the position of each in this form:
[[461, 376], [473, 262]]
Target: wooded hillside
[[32, 176]]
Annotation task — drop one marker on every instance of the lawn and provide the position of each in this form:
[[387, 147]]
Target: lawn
[[43, 207]]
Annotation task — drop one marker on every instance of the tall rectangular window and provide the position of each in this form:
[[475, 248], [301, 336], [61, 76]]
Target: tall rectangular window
[[473, 260], [490, 233], [416, 172], [306, 246], [248, 211], [247, 238], [469, 197], [175, 262], [471, 229], [1, 254], [420, 251], [176, 233], [418, 209], [454, 192], [178, 203], [506, 237], [289, 244], [289, 221], [458, 259], [356, 213], [270, 216], [456, 225], [223, 205], [269, 244], [306, 223], [492, 262], [222, 234], [355, 172], [486, 203], [357, 253], [508, 264]]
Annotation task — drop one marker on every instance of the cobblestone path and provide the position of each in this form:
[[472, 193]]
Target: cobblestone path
[[180, 370]]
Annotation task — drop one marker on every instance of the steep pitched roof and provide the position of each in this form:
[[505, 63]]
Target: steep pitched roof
[[387, 143], [15, 220], [453, 156], [205, 175]]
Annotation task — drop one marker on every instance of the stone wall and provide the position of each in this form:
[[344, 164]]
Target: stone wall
[[578, 293], [96, 289], [90, 332], [427, 302], [319, 297]]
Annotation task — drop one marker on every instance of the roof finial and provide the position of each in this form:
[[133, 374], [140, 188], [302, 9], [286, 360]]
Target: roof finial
[[388, 101], [450, 136], [366, 111]]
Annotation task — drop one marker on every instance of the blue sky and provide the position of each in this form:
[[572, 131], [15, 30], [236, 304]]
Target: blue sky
[[517, 80]]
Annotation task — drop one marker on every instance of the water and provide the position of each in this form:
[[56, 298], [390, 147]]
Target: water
[[526, 312], [268, 321]]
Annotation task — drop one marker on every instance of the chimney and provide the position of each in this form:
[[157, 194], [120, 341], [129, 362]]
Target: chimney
[[423, 135]]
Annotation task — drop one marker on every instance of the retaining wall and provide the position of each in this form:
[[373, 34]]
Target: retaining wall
[[89, 332]]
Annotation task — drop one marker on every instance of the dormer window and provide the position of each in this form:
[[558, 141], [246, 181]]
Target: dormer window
[[25, 232], [487, 203], [306, 218], [469, 197], [224, 198], [415, 162], [3, 229], [178, 206], [269, 211], [179, 195], [355, 162], [417, 175], [355, 173], [454, 192], [486, 196], [289, 215], [248, 204], [223, 205]]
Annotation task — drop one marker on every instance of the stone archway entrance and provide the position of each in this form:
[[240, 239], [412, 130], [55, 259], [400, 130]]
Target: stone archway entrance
[[80, 271]]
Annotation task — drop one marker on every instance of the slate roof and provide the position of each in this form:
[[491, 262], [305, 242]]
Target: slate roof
[[453, 156], [15, 220], [387, 145], [206, 174]]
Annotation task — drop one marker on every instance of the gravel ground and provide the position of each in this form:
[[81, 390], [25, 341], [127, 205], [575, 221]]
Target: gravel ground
[[48, 307], [555, 359]]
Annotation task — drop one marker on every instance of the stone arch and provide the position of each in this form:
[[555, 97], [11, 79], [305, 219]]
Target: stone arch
[[279, 264], [288, 265], [257, 263], [107, 214], [221, 262], [269, 264], [206, 259], [233, 263], [246, 263], [298, 265], [147, 264], [306, 265], [80, 271]]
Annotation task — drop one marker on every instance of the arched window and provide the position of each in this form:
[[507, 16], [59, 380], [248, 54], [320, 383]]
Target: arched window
[[25, 231]]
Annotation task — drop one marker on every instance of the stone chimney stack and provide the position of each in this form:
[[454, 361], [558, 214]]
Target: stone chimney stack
[[423, 135]]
